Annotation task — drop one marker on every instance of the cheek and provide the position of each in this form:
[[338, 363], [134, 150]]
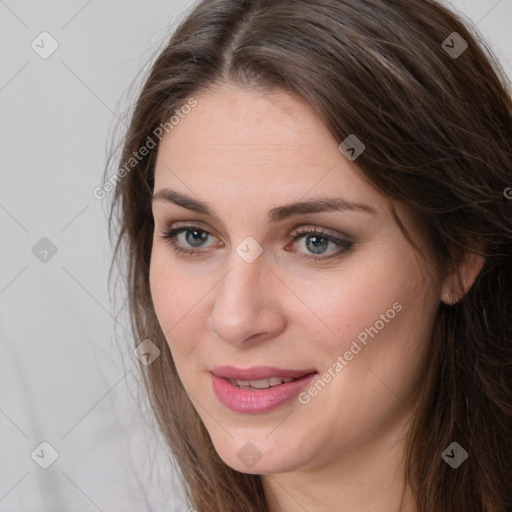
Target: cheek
[[376, 314], [386, 340], [346, 302], [172, 298], [178, 300], [160, 282]]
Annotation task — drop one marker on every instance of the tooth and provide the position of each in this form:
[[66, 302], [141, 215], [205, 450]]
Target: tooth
[[260, 384], [275, 381]]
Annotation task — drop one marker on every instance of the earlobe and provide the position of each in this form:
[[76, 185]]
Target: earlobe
[[458, 282]]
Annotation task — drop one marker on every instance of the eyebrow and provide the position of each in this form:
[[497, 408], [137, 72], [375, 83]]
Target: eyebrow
[[275, 215]]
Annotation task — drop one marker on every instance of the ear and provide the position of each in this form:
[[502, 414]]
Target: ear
[[458, 282]]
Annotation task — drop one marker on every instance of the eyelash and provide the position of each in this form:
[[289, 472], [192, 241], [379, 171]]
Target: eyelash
[[170, 235]]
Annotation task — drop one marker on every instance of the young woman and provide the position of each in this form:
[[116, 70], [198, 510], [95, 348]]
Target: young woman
[[316, 232]]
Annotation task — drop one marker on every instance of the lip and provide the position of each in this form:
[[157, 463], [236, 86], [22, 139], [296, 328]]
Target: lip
[[257, 372], [259, 401]]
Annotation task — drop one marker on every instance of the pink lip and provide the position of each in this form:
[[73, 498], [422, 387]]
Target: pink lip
[[257, 372], [258, 401]]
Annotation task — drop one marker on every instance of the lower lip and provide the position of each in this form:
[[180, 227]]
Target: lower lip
[[245, 400]]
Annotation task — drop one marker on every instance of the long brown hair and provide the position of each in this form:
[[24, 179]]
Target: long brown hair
[[436, 119]]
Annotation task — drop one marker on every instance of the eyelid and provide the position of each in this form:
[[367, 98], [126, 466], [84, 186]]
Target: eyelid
[[339, 235], [343, 242], [303, 229], [174, 226]]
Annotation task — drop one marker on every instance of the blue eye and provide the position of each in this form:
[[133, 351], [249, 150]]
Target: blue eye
[[197, 237], [316, 241]]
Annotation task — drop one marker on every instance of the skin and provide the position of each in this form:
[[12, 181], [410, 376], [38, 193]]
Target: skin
[[244, 153]]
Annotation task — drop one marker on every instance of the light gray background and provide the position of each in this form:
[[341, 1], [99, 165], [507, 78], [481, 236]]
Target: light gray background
[[65, 377]]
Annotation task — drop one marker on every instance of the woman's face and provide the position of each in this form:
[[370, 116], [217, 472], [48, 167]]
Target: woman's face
[[355, 303]]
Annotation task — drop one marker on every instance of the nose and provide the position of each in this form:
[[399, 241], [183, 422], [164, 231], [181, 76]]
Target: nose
[[247, 304]]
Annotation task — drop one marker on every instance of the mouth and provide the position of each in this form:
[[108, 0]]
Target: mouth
[[258, 389], [256, 373], [260, 384]]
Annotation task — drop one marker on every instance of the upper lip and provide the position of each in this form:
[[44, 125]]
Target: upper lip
[[257, 372]]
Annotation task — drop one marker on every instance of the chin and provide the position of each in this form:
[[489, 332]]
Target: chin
[[245, 457]]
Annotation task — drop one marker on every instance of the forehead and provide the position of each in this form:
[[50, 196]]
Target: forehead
[[245, 141], [243, 125]]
